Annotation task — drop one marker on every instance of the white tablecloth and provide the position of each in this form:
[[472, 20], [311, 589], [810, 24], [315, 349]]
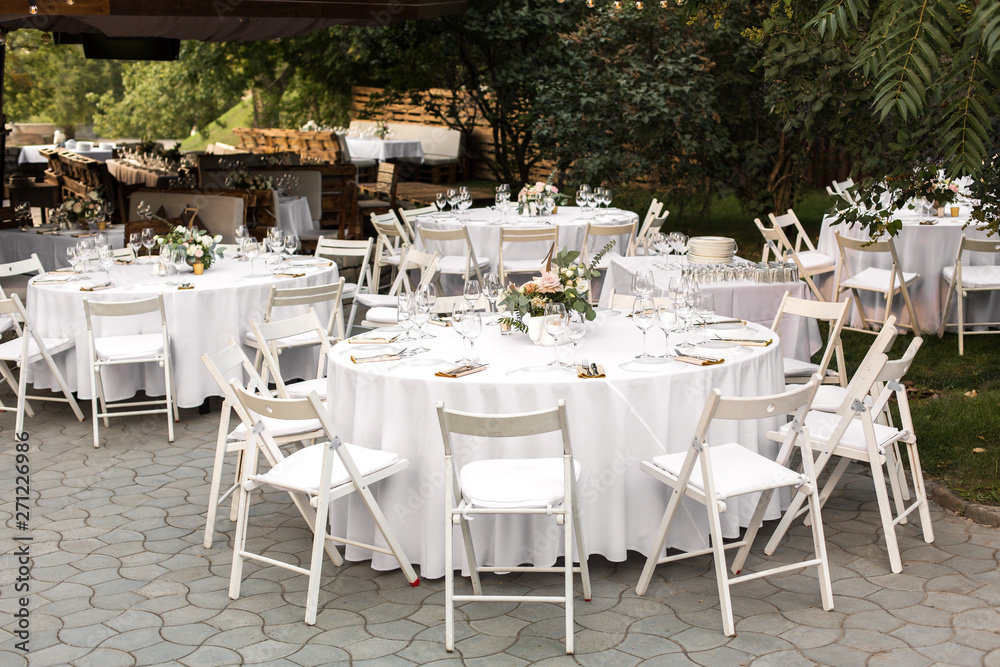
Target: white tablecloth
[[198, 320], [749, 301], [391, 406], [923, 249], [294, 216], [16, 245], [484, 232], [386, 149], [30, 154]]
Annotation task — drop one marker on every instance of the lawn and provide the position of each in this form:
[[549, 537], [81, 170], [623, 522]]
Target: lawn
[[240, 115]]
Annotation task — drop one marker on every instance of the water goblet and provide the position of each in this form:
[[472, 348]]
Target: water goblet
[[251, 248], [465, 202], [491, 290], [458, 314], [165, 259], [291, 244], [440, 200], [642, 316], [106, 256], [179, 258], [453, 198], [135, 243], [426, 299], [404, 316], [549, 204], [472, 326], [582, 193], [242, 234], [555, 325], [576, 331], [706, 311], [666, 320], [71, 256], [472, 292], [642, 283]]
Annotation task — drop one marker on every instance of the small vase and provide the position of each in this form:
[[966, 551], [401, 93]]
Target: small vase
[[536, 331], [199, 268]]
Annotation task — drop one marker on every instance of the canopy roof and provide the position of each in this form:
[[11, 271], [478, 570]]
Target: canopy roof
[[214, 20]]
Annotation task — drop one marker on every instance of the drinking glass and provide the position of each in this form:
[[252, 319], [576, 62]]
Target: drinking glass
[[642, 283], [426, 300], [666, 320], [583, 194], [555, 324], [458, 314], [251, 248], [549, 204], [166, 258], [179, 258], [148, 241], [472, 292], [135, 242], [107, 258], [242, 234], [71, 256], [404, 315], [706, 310], [291, 243], [491, 289], [453, 199], [642, 316], [88, 251], [465, 202], [441, 200], [684, 307], [576, 331], [472, 326]]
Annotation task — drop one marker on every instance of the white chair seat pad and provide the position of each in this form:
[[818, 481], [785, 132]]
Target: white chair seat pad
[[349, 290], [279, 428], [298, 340], [376, 300], [124, 348], [736, 471], [382, 315], [11, 350], [301, 470], [829, 397], [877, 280], [799, 368], [459, 263], [515, 483], [814, 260], [390, 259], [5, 323], [303, 388], [822, 424], [975, 276]]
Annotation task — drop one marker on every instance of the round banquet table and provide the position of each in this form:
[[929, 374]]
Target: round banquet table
[[484, 232], [924, 249], [16, 245], [391, 406], [199, 320]]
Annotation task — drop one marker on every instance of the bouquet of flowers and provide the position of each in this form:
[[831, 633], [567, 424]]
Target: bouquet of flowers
[[564, 280], [941, 190], [531, 198], [198, 245], [243, 180], [80, 209]]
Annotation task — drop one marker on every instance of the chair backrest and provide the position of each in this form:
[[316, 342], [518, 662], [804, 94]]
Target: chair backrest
[[974, 245], [267, 333], [123, 309], [458, 234], [21, 267], [386, 180], [307, 296], [341, 249], [411, 217], [845, 243], [774, 241], [655, 217], [889, 384], [504, 426], [391, 234], [13, 310], [835, 313], [626, 230], [626, 301], [224, 363], [515, 235], [789, 219]]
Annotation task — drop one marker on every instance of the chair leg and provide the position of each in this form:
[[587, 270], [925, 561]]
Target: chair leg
[[102, 401], [658, 543], [581, 551], [95, 401], [449, 566], [914, 322], [470, 557], [892, 472], [920, 492], [861, 309], [240, 460], [721, 575], [240, 542], [960, 309], [882, 494], [946, 309], [751, 533], [8, 376], [216, 484], [64, 388], [568, 577], [316, 561], [171, 391], [819, 542], [390, 537]]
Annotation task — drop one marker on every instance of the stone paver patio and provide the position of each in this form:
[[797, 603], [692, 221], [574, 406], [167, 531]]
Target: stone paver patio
[[120, 577]]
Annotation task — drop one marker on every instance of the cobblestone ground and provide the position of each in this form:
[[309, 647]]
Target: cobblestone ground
[[120, 578]]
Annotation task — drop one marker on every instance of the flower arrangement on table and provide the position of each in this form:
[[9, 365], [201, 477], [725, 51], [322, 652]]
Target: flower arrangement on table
[[199, 246], [564, 280], [531, 198], [76, 209], [242, 179], [940, 190]]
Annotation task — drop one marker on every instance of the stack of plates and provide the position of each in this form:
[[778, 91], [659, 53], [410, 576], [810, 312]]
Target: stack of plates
[[711, 250]]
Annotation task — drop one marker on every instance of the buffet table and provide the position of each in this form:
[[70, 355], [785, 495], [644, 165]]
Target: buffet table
[[199, 320], [639, 411], [130, 173], [16, 245], [386, 149], [754, 302], [925, 249], [31, 154]]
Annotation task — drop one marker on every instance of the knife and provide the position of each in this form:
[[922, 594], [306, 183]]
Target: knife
[[593, 370], [694, 356]]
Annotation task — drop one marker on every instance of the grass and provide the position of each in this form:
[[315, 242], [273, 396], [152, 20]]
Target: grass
[[221, 130]]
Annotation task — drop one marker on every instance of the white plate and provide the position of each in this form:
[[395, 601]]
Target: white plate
[[715, 350], [638, 366], [719, 345], [726, 326]]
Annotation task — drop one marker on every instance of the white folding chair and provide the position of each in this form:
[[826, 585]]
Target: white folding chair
[[272, 333], [123, 254], [803, 253], [965, 278], [861, 430], [466, 265], [346, 254], [322, 472], [382, 307], [835, 315], [411, 217], [887, 282], [228, 364], [392, 239], [302, 296], [653, 222], [147, 348], [536, 486], [712, 474], [15, 275], [597, 236], [841, 189], [549, 236], [26, 348], [626, 301]]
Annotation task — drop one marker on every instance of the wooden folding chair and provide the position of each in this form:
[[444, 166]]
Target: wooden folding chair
[[964, 279], [803, 253], [465, 264], [887, 282], [271, 334], [835, 315], [712, 474], [547, 235], [392, 239], [349, 255]]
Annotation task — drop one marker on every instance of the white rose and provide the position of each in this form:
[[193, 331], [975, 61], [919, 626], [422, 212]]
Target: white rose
[[205, 241]]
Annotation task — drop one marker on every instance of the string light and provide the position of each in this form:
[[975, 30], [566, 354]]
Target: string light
[[32, 7], [70, 2], [638, 4], [590, 3], [617, 4]]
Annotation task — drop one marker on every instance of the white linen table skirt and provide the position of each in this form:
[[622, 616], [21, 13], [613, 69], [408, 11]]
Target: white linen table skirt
[[391, 406], [199, 320], [923, 249], [386, 149], [30, 154], [484, 231], [16, 245], [754, 302], [294, 216]]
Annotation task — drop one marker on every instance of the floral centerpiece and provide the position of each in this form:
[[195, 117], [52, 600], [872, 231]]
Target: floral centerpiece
[[940, 191], [564, 280], [75, 209], [531, 198], [242, 179], [382, 130], [199, 246]]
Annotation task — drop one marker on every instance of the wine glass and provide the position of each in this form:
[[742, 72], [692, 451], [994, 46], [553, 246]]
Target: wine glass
[[242, 234], [555, 324], [404, 315], [491, 289], [135, 242], [291, 244], [440, 200], [426, 300], [472, 292], [549, 204], [706, 311], [148, 241], [666, 320], [642, 283], [465, 201], [107, 257], [684, 308], [179, 258], [642, 316], [577, 329], [71, 256], [165, 258], [458, 314], [251, 248], [472, 326], [86, 248], [582, 194], [453, 199]]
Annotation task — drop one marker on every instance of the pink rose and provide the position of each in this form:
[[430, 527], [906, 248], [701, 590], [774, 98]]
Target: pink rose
[[549, 283]]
